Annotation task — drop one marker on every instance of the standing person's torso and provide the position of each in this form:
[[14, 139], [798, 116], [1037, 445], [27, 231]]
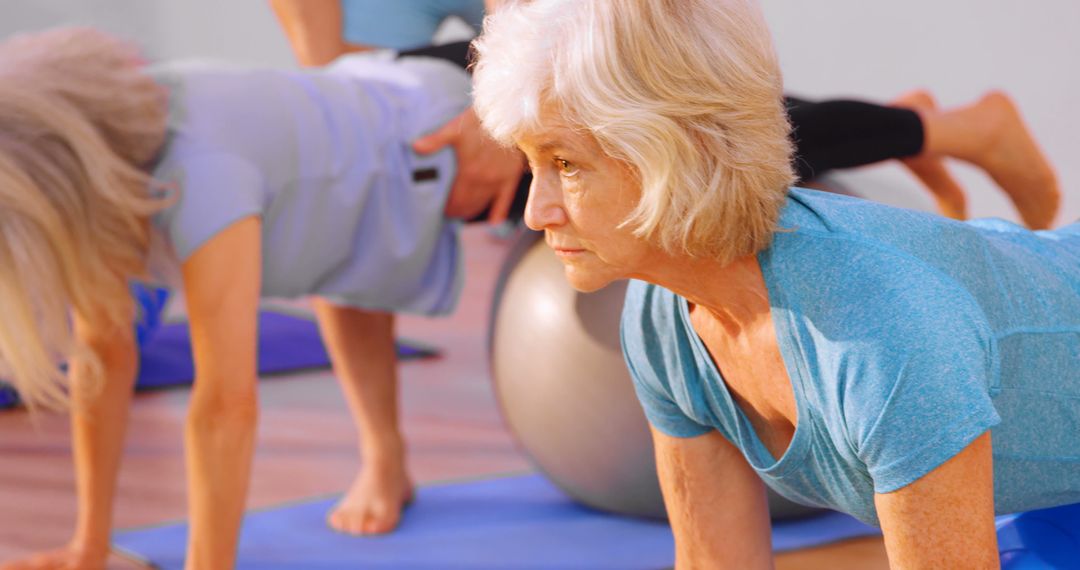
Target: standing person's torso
[[324, 158]]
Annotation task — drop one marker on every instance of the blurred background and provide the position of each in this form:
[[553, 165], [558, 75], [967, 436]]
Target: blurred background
[[849, 48]]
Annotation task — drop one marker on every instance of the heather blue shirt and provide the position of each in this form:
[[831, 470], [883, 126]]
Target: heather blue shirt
[[905, 336], [404, 24]]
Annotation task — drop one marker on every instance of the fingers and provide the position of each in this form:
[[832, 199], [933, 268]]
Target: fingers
[[487, 173], [446, 135]]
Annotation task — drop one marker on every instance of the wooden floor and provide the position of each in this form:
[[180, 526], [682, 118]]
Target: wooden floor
[[306, 443]]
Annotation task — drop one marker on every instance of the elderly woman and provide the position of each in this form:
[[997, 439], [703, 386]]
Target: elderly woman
[[916, 372]]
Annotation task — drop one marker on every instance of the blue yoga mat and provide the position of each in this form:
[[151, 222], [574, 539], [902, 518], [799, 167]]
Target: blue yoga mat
[[286, 343], [512, 523]]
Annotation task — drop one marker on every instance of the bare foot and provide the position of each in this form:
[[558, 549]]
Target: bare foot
[[1013, 159], [930, 168], [374, 503]]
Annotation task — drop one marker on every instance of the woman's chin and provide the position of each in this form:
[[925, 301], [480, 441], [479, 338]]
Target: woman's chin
[[586, 281]]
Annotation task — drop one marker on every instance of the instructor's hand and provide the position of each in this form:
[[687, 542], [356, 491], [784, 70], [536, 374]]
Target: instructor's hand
[[487, 173]]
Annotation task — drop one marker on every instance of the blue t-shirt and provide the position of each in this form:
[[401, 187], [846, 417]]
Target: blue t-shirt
[[905, 336], [401, 25]]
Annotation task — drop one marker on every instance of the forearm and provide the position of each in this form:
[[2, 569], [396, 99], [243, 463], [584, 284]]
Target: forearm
[[715, 501], [219, 441], [313, 28], [99, 423]]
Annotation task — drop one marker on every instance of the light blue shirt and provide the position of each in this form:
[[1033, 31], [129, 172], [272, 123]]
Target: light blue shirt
[[323, 158], [403, 24], [905, 336]]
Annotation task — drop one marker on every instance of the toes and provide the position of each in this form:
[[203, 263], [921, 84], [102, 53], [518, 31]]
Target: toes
[[363, 522], [381, 520]]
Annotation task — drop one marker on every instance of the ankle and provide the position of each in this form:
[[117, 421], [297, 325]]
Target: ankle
[[988, 122], [385, 447], [89, 550]]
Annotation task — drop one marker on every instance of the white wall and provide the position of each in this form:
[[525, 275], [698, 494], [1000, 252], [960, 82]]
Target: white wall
[[867, 48], [956, 48], [238, 30]]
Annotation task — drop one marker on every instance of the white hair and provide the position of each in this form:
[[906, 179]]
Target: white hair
[[687, 92]]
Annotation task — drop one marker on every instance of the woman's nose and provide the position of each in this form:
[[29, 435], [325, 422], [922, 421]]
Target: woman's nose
[[544, 208]]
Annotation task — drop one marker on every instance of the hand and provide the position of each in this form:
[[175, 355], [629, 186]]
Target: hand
[[487, 173]]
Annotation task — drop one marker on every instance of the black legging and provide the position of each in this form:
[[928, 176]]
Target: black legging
[[844, 134], [827, 135]]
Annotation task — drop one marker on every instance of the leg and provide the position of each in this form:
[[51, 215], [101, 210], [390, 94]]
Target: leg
[[845, 134], [361, 346], [930, 168], [991, 135]]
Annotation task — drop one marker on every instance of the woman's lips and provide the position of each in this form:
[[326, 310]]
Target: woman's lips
[[568, 252]]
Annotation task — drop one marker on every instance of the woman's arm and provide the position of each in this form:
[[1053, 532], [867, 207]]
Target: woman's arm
[[946, 518], [314, 30], [222, 281], [99, 417], [715, 502], [99, 421]]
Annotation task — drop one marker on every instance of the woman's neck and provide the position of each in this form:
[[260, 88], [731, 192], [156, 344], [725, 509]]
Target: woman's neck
[[734, 294]]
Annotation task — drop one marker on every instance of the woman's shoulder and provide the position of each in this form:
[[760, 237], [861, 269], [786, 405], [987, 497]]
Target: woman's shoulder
[[831, 245]]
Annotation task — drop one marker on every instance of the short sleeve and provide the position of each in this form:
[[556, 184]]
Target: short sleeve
[[926, 395], [644, 332], [394, 25], [213, 192]]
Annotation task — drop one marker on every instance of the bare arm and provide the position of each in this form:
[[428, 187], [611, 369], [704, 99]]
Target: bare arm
[[99, 421], [715, 501], [99, 417], [221, 282], [946, 518], [314, 29]]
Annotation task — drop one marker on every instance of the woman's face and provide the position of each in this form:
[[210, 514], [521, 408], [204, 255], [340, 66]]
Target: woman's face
[[579, 197]]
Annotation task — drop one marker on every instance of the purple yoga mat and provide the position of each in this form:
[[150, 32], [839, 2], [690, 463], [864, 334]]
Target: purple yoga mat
[[509, 523], [286, 343], [525, 523]]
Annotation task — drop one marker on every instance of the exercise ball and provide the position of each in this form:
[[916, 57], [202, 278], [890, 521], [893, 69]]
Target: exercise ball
[[564, 390]]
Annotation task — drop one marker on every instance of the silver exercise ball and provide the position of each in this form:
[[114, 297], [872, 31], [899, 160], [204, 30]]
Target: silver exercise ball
[[564, 389]]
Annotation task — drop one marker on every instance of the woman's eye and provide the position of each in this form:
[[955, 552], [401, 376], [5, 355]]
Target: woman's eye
[[566, 168]]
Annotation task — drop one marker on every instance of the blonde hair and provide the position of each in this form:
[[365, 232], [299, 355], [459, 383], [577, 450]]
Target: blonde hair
[[77, 120], [687, 92]]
